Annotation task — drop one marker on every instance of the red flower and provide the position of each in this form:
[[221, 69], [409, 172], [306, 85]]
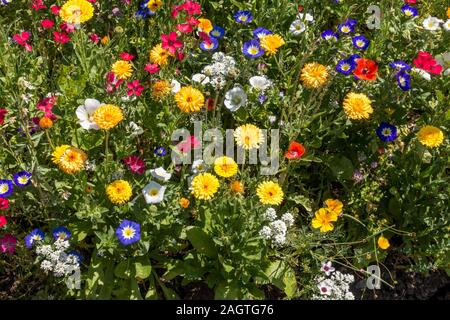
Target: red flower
[[184, 27], [4, 204], [135, 164], [3, 113], [112, 83], [411, 1], [8, 244], [94, 38], [3, 221], [210, 104], [37, 5], [366, 69], [205, 37], [67, 27], [192, 21], [60, 37], [425, 61], [55, 9], [152, 68], [22, 38], [47, 105], [135, 88], [295, 150], [170, 42], [47, 24], [191, 7], [180, 55], [126, 56]]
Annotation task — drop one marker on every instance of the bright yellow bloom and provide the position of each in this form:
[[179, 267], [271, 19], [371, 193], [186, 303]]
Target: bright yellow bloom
[[122, 69], [270, 192], [248, 136], [154, 5], [225, 167], [76, 11], [189, 99], [357, 106], [237, 186], [160, 88], [383, 243], [430, 136], [184, 203], [334, 206], [58, 152], [107, 116], [69, 159], [271, 42], [159, 55], [322, 219], [204, 186], [205, 25], [314, 75], [119, 191]]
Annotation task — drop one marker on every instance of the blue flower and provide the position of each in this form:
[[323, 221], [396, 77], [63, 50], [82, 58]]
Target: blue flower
[[347, 27], [361, 42], [262, 98], [330, 35], [22, 178], [128, 232], [144, 11], [211, 46], [217, 32], [61, 233], [35, 235], [354, 57], [400, 65], [243, 16], [160, 151], [6, 188], [252, 49], [346, 66], [410, 11], [258, 33], [77, 255], [386, 132], [403, 80]]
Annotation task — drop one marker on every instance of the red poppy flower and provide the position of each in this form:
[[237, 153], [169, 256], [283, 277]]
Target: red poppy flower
[[366, 69], [4, 204], [295, 150], [3, 221]]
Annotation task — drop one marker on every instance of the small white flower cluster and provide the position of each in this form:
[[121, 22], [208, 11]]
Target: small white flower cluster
[[335, 285], [276, 230], [216, 74], [55, 259]]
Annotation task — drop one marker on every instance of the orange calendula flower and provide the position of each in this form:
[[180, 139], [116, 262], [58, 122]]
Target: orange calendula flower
[[45, 123], [184, 203], [383, 243]]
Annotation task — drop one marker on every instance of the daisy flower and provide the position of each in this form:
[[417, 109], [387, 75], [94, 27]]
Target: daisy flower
[[225, 167], [270, 192], [248, 136], [204, 186]]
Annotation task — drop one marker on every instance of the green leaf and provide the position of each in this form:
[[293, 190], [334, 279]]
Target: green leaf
[[341, 167], [122, 270], [227, 291], [152, 294], [201, 241], [303, 201], [282, 276], [143, 267]]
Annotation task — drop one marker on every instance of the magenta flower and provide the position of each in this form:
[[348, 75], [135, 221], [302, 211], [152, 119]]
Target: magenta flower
[[60, 37], [22, 38], [170, 42], [186, 146], [135, 164], [67, 27], [151, 68], [8, 244], [37, 5], [47, 24], [134, 88], [126, 56]]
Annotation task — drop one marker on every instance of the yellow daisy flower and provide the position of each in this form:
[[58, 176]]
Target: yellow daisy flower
[[248, 136], [270, 192], [159, 55], [119, 191], [160, 89], [430, 136], [107, 116], [204, 186], [122, 69], [271, 42], [189, 99], [357, 106], [76, 11], [69, 159], [314, 75], [225, 167]]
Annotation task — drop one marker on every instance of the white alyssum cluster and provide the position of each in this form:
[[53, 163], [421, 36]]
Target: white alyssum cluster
[[217, 73], [335, 285], [55, 259], [276, 230]]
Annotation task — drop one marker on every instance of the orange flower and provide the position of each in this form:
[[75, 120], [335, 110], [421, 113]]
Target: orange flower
[[45, 123], [366, 69], [448, 12], [295, 151], [184, 203]]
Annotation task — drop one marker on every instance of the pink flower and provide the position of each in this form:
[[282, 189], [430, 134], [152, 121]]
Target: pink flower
[[3, 113], [135, 164], [410, 1], [112, 83], [47, 105], [3, 221], [184, 27], [60, 37], [37, 5], [94, 38], [22, 38], [192, 21], [186, 146], [67, 27], [170, 42], [425, 61], [55, 9], [47, 24], [152, 68], [4, 204], [191, 7], [134, 88], [126, 56], [8, 244], [205, 37]]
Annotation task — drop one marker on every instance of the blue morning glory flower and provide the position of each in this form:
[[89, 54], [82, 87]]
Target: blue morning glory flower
[[410, 11], [258, 33], [217, 32], [386, 132], [404, 80], [160, 151], [35, 235], [144, 11], [361, 42], [211, 46], [6, 188], [330, 35], [128, 232], [252, 49], [243, 16], [354, 57], [77, 255], [22, 178], [61, 233], [400, 65], [347, 27], [346, 66]]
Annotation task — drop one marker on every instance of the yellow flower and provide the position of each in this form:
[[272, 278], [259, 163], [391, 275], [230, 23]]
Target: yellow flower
[[159, 55], [184, 203], [160, 88], [189, 99], [248, 136], [430, 136], [205, 25], [45, 123], [154, 5], [69, 159], [107, 116], [383, 243], [271, 42], [204, 186], [122, 69], [119, 191], [322, 219], [58, 152], [448, 12], [357, 106], [76, 11], [270, 192], [225, 167], [237, 186], [334, 206], [314, 75]]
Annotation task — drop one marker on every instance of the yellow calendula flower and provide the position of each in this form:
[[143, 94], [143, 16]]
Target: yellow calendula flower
[[204, 186], [270, 192], [430, 136], [225, 167], [237, 186], [159, 55], [122, 69], [161, 88], [322, 219], [119, 191], [189, 99], [58, 152], [314, 75], [271, 42], [334, 206], [184, 203], [383, 243], [107, 116], [248, 136], [69, 159], [76, 11], [205, 25], [448, 12], [357, 106], [154, 5], [105, 40]]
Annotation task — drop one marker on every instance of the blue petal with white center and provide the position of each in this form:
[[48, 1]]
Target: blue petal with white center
[[360, 42], [252, 49], [34, 236], [22, 178], [61, 233], [243, 17], [128, 232], [212, 45], [386, 132], [6, 188]]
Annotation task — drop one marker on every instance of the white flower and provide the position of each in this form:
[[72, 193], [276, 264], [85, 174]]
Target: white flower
[[270, 214], [278, 227], [135, 129], [198, 166], [305, 17], [349, 296], [288, 219], [85, 112], [279, 239], [325, 287], [160, 173], [265, 233], [272, 119], [432, 23], [447, 25], [327, 268], [297, 27], [46, 266], [260, 83], [235, 98], [200, 78], [176, 86], [153, 192], [425, 75]]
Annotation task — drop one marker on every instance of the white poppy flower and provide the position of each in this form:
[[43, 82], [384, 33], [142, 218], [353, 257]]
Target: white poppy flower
[[325, 287], [235, 98], [201, 78], [260, 83], [198, 166], [153, 192], [85, 112], [447, 25], [176, 86], [305, 17], [432, 23], [425, 75], [297, 27], [160, 173]]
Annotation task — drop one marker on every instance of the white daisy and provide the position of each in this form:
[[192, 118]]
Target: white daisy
[[432, 23], [297, 27]]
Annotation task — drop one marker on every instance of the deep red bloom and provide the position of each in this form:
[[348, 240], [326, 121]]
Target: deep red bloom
[[210, 104], [170, 42], [61, 37], [3, 113], [94, 38], [3, 221], [425, 61], [37, 5], [4, 204], [152, 68], [55, 9], [184, 28], [8, 244], [135, 164], [180, 55], [134, 88], [47, 24], [366, 69], [126, 56], [295, 150]]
